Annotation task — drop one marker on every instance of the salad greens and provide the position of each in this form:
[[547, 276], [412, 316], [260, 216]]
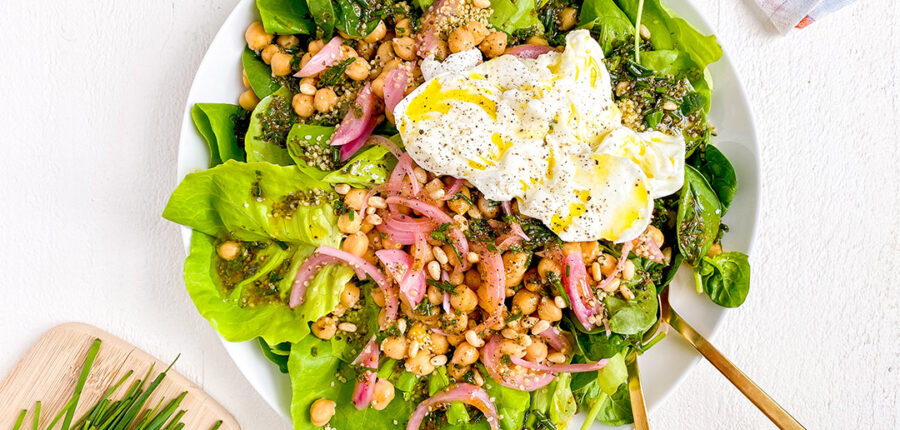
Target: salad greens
[[269, 193]]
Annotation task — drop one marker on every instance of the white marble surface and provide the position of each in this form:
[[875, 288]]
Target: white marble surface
[[92, 94]]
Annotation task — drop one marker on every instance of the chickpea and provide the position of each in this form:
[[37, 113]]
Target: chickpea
[[385, 53], [460, 40], [304, 60], [434, 295], [459, 205], [288, 41], [256, 36], [390, 65], [457, 372], [590, 251], [465, 300], [244, 79], [358, 70], [568, 17], [454, 323], [439, 344], [378, 85], [281, 64], [325, 99], [548, 311], [267, 53], [537, 40], [657, 236], [456, 339], [714, 250], [248, 100], [383, 395], [420, 364], [324, 328], [628, 270], [377, 34], [494, 44], [404, 47], [315, 46], [402, 28], [349, 222], [394, 347], [546, 266], [354, 198], [378, 297], [348, 52], [607, 264], [488, 208], [473, 278], [525, 301], [515, 264], [350, 295], [478, 30], [441, 50], [511, 347], [417, 332], [365, 50], [356, 244], [321, 412], [228, 250], [465, 354], [536, 352], [570, 248], [303, 107]]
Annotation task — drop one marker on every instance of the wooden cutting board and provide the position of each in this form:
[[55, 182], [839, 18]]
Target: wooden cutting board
[[49, 370]]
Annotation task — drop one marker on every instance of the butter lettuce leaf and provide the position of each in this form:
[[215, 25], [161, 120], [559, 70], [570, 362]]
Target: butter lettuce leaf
[[509, 16], [270, 124], [216, 124], [370, 166], [606, 21]]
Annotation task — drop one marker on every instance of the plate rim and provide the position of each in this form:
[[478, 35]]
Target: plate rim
[[697, 19]]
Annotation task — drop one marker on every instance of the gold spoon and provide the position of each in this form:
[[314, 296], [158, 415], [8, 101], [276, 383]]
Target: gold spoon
[[769, 407]]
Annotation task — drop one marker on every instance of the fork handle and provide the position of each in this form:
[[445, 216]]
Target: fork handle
[[776, 413]]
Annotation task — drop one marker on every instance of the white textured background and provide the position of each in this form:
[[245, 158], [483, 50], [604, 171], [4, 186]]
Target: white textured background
[[91, 98]]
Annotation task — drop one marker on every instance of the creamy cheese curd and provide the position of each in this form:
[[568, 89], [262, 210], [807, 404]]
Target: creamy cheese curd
[[546, 132]]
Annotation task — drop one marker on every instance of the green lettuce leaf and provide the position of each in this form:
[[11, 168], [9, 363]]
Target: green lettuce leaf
[[259, 74], [512, 405], [606, 20], [555, 402], [270, 124], [509, 16], [285, 17], [234, 305], [320, 369], [367, 168], [254, 202], [215, 122]]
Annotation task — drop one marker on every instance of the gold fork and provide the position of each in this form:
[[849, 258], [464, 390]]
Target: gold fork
[[766, 404]]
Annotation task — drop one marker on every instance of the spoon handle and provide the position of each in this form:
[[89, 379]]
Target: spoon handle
[[776, 413], [638, 407]]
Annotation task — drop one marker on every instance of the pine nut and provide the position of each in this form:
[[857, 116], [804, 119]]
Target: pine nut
[[401, 326], [473, 339], [556, 357], [373, 219], [472, 257], [440, 255], [439, 360], [540, 327], [595, 271], [559, 302], [420, 174], [479, 380], [434, 270], [377, 202], [645, 32], [310, 90], [509, 333], [347, 327], [669, 105], [342, 189], [612, 286], [525, 341], [437, 194], [414, 348], [626, 292], [370, 210]]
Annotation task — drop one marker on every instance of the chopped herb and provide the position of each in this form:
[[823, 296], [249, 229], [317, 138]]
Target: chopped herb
[[444, 286], [335, 74]]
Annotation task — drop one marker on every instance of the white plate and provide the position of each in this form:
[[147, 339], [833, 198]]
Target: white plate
[[218, 80]]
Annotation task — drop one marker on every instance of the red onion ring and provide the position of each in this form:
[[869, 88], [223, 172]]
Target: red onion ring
[[326, 56], [349, 150], [305, 274], [559, 368], [491, 265], [466, 393], [576, 284], [491, 358], [626, 249], [353, 126], [395, 86], [529, 51], [556, 340], [365, 385]]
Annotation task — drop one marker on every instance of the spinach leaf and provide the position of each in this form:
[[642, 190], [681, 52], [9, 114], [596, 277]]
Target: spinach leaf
[[323, 13], [270, 123], [605, 19], [285, 17], [614, 410], [259, 74], [216, 124], [699, 216], [277, 354], [633, 316], [509, 16], [556, 401], [596, 347], [726, 278], [353, 19], [716, 168]]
